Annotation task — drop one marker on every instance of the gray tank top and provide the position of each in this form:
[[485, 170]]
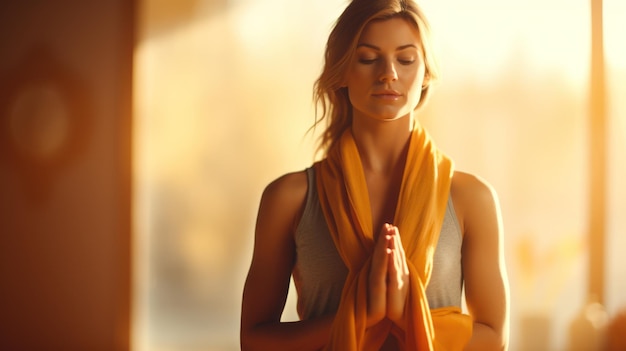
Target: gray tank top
[[319, 272]]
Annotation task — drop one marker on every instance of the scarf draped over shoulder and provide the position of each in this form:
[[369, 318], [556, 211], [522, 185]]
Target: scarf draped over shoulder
[[419, 216]]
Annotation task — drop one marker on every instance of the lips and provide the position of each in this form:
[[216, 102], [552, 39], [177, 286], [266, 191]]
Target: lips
[[387, 94]]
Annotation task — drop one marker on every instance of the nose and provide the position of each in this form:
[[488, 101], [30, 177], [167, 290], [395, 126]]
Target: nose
[[388, 73]]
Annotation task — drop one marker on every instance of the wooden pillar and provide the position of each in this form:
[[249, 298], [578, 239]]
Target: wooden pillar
[[598, 153]]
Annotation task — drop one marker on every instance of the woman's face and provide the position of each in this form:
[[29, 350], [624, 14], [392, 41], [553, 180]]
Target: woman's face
[[385, 78]]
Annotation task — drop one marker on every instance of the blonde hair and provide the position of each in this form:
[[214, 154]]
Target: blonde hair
[[329, 92]]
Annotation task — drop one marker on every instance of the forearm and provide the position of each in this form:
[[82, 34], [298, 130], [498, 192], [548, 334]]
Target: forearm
[[310, 334], [485, 338]]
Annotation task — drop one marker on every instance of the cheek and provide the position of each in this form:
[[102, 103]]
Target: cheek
[[415, 91], [355, 95], [357, 82], [357, 75], [416, 80]]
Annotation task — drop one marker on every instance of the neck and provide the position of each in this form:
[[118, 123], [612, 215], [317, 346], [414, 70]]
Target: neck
[[382, 145]]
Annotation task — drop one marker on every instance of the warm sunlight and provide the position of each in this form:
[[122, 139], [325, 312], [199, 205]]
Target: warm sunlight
[[223, 105], [489, 34]]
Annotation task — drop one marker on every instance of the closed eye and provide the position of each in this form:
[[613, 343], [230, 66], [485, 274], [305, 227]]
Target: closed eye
[[367, 61]]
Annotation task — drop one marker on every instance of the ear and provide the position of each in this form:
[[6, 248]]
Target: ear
[[426, 81]]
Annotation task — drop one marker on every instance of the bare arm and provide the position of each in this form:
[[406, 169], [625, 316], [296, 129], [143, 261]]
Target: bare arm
[[267, 284], [486, 283]]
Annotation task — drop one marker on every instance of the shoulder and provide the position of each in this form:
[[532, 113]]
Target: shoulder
[[474, 199], [289, 187], [283, 199], [466, 185]]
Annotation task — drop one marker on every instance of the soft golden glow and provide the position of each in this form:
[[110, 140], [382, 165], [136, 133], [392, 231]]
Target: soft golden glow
[[223, 102]]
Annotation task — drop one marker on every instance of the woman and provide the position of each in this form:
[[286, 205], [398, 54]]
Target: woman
[[382, 234]]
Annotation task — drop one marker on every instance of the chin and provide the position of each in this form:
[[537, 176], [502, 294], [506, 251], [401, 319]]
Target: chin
[[389, 117]]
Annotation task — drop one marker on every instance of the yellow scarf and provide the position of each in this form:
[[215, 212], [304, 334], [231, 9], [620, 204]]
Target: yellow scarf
[[419, 215]]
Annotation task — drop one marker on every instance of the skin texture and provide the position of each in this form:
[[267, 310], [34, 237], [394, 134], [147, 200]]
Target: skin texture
[[384, 84], [388, 60]]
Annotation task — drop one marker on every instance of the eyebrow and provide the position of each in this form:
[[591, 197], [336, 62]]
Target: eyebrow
[[399, 48]]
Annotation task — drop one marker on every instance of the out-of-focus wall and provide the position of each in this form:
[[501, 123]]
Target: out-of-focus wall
[[223, 103], [65, 105]]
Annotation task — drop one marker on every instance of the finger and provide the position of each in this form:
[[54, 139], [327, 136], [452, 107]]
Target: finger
[[380, 251], [396, 295], [391, 257], [380, 259], [380, 262], [398, 252], [398, 245], [395, 271], [393, 268], [398, 271]]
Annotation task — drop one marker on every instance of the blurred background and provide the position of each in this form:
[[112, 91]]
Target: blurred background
[[223, 104], [137, 137]]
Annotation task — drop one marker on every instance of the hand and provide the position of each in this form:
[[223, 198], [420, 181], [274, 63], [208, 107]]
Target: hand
[[397, 278], [388, 283]]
